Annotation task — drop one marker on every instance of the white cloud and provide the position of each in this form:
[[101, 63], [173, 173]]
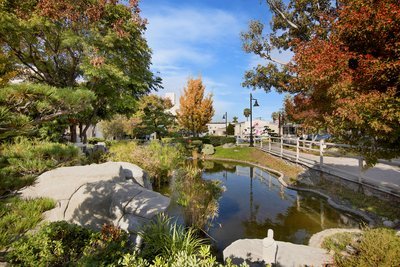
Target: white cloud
[[179, 35]]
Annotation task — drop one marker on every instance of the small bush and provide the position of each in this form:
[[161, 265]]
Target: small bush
[[21, 161], [95, 140], [179, 259], [18, 216], [63, 244], [162, 237], [221, 140], [376, 247], [157, 159], [105, 248], [56, 244]]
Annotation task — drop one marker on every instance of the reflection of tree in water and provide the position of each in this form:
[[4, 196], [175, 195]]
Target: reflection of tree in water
[[297, 223], [198, 197], [210, 166]]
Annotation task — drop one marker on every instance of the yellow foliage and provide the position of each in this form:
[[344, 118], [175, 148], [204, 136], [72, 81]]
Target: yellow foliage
[[196, 109]]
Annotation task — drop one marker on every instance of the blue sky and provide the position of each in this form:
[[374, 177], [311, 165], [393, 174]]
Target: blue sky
[[202, 38]]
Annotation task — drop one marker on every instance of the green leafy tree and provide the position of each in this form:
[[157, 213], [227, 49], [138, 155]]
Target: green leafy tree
[[235, 119], [153, 116], [230, 129], [117, 127], [24, 108], [96, 45]]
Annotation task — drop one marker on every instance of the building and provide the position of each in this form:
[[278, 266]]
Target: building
[[216, 128], [242, 129], [175, 106]]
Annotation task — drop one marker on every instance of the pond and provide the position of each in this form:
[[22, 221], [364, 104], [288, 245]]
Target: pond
[[252, 201]]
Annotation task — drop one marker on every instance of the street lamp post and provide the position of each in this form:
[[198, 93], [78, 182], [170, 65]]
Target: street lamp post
[[251, 118], [226, 123]]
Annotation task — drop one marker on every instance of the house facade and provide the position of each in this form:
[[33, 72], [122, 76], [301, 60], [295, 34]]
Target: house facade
[[242, 129]]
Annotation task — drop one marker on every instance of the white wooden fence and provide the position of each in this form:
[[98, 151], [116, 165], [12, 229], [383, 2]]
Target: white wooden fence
[[328, 157]]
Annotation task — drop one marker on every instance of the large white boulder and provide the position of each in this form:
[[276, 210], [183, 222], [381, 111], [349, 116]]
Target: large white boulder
[[116, 193], [287, 254]]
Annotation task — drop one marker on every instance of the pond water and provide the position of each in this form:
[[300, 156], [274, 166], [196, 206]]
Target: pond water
[[253, 201]]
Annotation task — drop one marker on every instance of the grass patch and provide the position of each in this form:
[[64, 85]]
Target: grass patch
[[257, 156], [17, 216], [374, 247]]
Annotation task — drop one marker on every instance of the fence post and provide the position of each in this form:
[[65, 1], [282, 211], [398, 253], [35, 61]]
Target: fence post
[[321, 153], [297, 149], [261, 143], [361, 169], [281, 146], [269, 144]]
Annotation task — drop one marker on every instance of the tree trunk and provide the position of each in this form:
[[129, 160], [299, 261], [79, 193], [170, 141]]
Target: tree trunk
[[72, 129], [80, 131], [84, 133]]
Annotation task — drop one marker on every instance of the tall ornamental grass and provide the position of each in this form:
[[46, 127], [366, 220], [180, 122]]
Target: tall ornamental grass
[[158, 159]]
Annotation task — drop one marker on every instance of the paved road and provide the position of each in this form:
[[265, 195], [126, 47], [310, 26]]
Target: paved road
[[382, 175]]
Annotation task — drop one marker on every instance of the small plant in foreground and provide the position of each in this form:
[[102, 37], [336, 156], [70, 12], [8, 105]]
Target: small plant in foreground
[[17, 216], [375, 247], [162, 237]]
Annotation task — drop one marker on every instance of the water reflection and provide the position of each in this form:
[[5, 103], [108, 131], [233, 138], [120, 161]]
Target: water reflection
[[197, 198], [254, 201]]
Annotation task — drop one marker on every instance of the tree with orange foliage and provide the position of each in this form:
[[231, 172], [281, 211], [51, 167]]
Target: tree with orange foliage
[[345, 71], [196, 109]]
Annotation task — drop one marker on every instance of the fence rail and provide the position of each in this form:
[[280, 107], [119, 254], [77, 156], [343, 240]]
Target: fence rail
[[334, 159]]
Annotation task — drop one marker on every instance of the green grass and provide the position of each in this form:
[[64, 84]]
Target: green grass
[[256, 156], [17, 216]]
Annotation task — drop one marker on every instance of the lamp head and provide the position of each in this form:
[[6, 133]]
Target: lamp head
[[256, 104], [223, 117]]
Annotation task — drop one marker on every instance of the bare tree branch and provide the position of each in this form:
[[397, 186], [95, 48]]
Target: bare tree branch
[[275, 8]]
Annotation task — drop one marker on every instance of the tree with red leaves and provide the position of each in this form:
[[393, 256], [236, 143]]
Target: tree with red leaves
[[347, 80]]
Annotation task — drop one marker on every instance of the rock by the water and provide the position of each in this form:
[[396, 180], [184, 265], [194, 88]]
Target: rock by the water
[[208, 149], [388, 223], [228, 145], [287, 254], [116, 193]]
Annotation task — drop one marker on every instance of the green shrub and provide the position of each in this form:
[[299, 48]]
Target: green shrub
[[56, 244], [105, 248], [95, 140], [157, 159], [221, 140], [179, 259], [63, 244], [18, 216], [21, 161], [375, 247], [162, 237]]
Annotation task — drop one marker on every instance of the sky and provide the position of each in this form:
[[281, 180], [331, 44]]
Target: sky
[[202, 38]]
